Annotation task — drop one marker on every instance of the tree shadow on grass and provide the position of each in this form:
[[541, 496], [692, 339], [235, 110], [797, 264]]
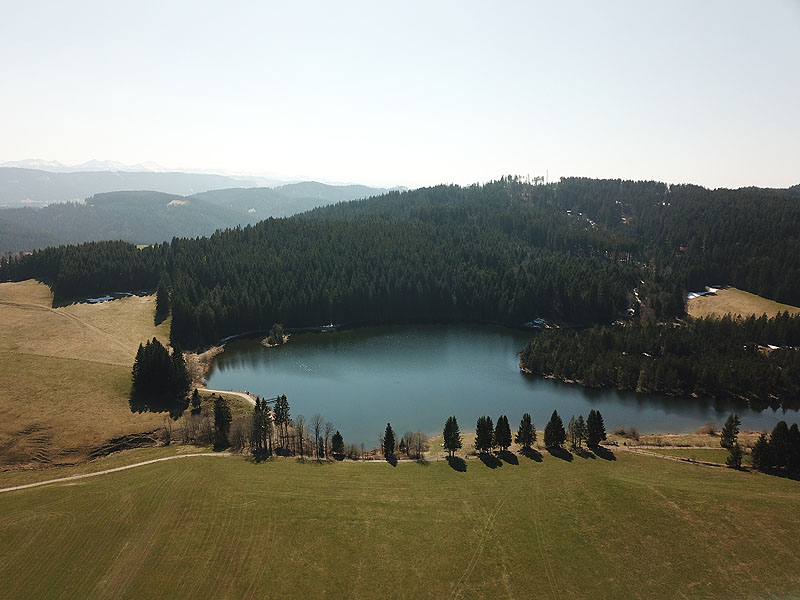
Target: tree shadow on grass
[[392, 460], [508, 457], [260, 457], [457, 463], [532, 454], [140, 403], [561, 453], [604, 453], [490, 460], [584, 453]]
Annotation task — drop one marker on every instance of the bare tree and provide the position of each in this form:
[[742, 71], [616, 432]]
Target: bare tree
[[316, 428], [167, 430], [300, 429], [239, 433], [419, 444], [328, 433]]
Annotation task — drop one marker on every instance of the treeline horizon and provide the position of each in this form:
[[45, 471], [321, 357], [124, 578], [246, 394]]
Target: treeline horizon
[[504, 252]]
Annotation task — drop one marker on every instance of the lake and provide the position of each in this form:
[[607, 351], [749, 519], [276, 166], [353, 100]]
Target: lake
[[416, 376]]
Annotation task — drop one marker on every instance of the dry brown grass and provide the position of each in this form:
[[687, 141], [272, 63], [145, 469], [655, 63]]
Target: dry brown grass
[[65, 373], [109, 332], [685, 440], [736, 302]]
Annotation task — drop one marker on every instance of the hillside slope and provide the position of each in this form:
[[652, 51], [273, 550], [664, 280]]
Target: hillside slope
[[34, 187]]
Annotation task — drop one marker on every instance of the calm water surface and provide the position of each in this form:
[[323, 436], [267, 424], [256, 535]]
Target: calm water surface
[[416, 376]]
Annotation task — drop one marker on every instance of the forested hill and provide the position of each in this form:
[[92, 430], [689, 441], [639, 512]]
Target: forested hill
[[577, 252], [148, 217], [137, 217]]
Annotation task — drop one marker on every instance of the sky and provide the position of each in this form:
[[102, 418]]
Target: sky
[[410, 93]]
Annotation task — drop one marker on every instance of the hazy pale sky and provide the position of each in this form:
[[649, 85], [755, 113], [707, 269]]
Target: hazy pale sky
[[410, 93]]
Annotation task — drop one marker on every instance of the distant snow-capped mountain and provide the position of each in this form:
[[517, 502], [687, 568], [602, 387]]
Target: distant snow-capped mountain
[[54, 166]]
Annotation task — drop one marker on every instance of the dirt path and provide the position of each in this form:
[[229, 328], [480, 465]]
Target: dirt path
[[107, 471], [248, 397], [644, 452]]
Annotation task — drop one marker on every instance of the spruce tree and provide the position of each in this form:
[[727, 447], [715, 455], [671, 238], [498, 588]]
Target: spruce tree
[[452, 436], [526, 435], [780, 445], [730, 431], [162, 300], [484, 434], [794, 456], [195, 399], [734, 460], [388, 442], [337, 443], [554, 434], [222, 422], [581, 431], [761, 454], [502, 433], [595, 429], [160, 382]]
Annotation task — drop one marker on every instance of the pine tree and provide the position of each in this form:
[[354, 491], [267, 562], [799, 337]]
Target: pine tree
[[452, 436], [526, 435], [484, 434], [730, 431], [388, 442], [502, 433], [554, 434]]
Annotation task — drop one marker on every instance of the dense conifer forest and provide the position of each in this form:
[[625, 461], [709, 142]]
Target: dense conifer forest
[[580, 252], [721, 358]]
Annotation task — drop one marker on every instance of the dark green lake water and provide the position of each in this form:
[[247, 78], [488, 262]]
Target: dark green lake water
[[416, 376]]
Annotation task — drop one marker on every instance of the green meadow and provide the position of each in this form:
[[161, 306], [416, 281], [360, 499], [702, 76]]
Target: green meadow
[[225, 527]]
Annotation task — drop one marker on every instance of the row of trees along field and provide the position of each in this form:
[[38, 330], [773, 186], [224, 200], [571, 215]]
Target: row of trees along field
[[488, 436], [777, 453], [721, 358], [505, 252]]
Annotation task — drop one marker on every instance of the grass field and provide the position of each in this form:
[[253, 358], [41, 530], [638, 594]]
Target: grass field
[[735, 302], [65, 374], [634, 527]]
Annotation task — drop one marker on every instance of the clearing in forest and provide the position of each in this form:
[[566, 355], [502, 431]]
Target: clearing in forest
[[736, 302], [65, 374]]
